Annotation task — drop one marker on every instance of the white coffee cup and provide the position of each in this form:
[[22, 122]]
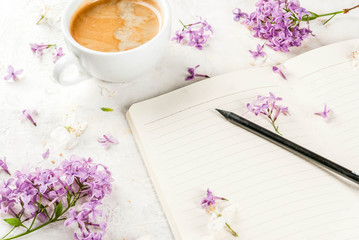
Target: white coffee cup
[[115, 67]]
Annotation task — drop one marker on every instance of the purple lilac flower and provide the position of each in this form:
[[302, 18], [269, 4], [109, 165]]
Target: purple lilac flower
[[46, 154], [210, 200], [238, 14], [75, 218], [12, 74], [19, 197], [3, 166], [180, 35], [277, 69], [57, 54], [107, 141], [259, 52], [206, 26], [268, 106], [28, 114], [278, 22], [194, 34], [325, 114], [193, 74]]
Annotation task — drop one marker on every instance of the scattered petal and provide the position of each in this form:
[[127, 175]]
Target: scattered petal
[[29, 114], [4, 167], [193, 74], [259, 52], [238, 14], [12, 74], [57, 54], [277, 69], [325, 114], [46, 154], [107, 141]]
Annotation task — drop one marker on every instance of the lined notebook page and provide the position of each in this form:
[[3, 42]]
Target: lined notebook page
[[335, 82], [187, 147]]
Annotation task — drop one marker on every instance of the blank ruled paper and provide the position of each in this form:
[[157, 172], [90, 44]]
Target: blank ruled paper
[[188, 147]]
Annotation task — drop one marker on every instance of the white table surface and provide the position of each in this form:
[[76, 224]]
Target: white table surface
[[133, 208]]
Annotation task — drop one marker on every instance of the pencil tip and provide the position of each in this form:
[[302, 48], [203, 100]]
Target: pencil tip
[[223, 112]]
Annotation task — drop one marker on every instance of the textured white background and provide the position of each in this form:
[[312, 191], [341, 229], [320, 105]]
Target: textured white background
[[133, 208]]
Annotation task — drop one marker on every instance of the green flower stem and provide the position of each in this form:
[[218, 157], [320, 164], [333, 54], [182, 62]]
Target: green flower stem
[[9, 232], [234, 233], [329, 14], [314, 16], [231, 230], [58, 219], [184, 26], [41, 18], [33, 221], [30, 231], [275, 127]]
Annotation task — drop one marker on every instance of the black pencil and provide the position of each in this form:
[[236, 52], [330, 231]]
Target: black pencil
[[289, 145]]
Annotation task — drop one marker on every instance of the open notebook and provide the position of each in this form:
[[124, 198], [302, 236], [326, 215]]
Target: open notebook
[[188, 147]]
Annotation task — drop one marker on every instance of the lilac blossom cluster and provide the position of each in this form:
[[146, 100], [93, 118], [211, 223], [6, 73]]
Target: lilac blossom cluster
[[278, 22], [268, 106], [44, 196], [194, 34]]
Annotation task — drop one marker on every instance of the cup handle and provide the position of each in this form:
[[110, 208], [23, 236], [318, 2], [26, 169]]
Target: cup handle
[[63, 64]]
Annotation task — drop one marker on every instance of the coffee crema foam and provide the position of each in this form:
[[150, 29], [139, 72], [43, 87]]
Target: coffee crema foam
[[115, 25]]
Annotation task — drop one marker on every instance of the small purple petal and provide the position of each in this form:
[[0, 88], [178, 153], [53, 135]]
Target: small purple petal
[[10, 69], [4, 167], [107, 141], [325, 113], [46, 154], [276, 69], [12, 73]]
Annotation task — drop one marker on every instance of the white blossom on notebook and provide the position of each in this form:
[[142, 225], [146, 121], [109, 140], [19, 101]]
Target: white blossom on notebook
[[218, 221], [268, 106]]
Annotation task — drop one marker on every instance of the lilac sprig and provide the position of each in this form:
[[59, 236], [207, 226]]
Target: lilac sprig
[[192, 73], [38, 49], [279, 22], [45, 196], [209, 204], [194, 34], [268, 106]]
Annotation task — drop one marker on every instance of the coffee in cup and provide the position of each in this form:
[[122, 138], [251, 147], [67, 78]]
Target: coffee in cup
[[115, 25]]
